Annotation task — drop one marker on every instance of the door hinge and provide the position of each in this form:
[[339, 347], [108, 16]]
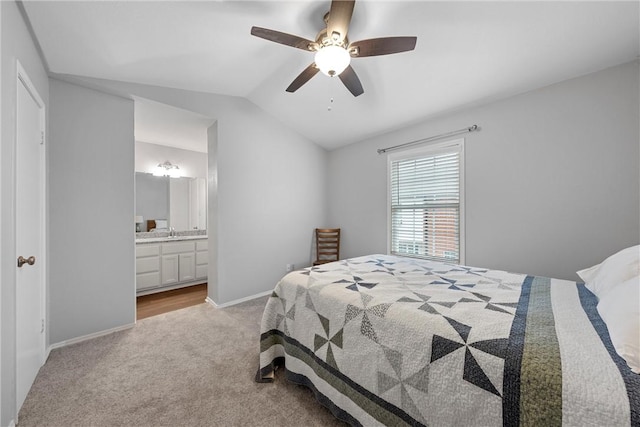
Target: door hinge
[[42, 330], [41, 137]]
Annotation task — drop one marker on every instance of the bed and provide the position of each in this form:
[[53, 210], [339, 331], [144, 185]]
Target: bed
[[386, 340]]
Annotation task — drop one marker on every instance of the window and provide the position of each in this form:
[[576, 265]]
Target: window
[[426, 202]]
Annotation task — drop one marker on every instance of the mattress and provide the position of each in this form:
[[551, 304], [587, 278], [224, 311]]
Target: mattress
[[386, 340]]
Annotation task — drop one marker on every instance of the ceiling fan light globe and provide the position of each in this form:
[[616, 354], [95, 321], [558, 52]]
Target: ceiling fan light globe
[[332, 60]]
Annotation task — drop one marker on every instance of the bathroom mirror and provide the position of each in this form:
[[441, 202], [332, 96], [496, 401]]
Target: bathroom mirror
[[181, 201]]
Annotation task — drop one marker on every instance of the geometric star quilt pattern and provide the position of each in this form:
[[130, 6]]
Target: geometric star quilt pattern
[[387, 340]]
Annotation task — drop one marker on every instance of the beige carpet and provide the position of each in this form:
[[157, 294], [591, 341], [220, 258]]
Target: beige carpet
[[191, 367]]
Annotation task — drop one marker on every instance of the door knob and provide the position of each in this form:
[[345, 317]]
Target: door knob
[[22, 260]]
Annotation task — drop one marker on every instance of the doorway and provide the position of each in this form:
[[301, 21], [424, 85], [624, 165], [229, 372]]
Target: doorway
[[171, 174]]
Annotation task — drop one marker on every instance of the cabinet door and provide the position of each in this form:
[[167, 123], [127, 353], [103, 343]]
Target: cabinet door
[[187, 267], [169, 269]]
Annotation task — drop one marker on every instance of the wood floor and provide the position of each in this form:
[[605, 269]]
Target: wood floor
[[163, 302]]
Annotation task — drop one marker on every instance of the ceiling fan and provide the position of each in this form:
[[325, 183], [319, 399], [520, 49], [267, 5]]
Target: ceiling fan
[[333, 51]]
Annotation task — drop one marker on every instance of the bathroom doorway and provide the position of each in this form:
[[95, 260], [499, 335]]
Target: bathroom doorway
[[170, 219]]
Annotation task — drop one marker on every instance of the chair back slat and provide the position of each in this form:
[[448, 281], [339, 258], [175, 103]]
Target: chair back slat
[[327, 245]]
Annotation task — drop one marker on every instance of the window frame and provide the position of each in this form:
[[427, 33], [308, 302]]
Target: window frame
[[430, 150]]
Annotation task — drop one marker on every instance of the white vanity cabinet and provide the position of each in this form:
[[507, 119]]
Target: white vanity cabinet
[[170, 265], [178, 262]]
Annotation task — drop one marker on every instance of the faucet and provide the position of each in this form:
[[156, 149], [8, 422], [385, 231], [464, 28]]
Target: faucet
[[172, 232]]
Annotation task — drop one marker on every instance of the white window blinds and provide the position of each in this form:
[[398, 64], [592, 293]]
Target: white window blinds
[[425, 205]]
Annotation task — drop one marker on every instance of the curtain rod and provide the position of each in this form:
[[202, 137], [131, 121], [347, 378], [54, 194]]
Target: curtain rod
[[431, 138]]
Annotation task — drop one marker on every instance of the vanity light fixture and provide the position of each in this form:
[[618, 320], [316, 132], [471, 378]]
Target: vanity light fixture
[[167, 169]]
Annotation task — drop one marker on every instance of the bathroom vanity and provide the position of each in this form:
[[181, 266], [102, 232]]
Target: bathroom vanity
[[164, 263]]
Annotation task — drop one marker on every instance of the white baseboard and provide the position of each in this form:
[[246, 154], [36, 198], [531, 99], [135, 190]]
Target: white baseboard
[[237, 301], [88, 337]]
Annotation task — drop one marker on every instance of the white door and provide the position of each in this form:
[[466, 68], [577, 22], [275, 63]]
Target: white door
[[169, 268], [187, 267], [29, 236]]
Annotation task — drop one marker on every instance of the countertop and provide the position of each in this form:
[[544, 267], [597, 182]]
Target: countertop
[[170, 239]]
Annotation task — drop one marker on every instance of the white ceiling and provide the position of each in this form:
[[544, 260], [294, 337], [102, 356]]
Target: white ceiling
[[467, 53]]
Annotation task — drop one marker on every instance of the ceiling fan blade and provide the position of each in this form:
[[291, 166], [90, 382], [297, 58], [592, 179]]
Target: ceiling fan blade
[[282, 38], [381, 46], [351, 81], [340, 18], [304, 77]]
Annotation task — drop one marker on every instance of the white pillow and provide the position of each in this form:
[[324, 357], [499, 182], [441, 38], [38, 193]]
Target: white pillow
[[620, 310], [616, 269]]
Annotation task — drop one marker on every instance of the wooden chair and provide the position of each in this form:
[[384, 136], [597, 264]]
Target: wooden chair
[[327, 245]]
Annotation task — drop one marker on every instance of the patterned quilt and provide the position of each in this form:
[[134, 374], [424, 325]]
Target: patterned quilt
[[384, 340]]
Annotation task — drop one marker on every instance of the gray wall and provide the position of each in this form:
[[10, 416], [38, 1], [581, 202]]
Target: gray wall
[[15, 44], [270, 195], [91, 188], [552, 177]]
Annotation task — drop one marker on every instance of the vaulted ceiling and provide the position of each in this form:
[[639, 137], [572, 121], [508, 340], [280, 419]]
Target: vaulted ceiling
[[467, 53]]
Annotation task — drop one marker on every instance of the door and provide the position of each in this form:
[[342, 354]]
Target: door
[[187, 268], [169, 267], [30, 215]]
